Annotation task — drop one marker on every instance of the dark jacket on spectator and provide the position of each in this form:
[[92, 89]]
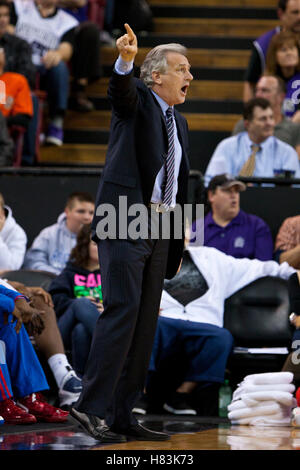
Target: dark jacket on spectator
[[6, 144], [74, 282]]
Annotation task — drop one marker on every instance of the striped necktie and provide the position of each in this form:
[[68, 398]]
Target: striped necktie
[[249, 165], [169, 161]]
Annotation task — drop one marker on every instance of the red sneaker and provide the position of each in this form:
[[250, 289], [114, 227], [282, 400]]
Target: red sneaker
[[43, 411], [13, 414]]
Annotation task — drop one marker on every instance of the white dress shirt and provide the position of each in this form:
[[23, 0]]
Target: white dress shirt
[[231, 154]]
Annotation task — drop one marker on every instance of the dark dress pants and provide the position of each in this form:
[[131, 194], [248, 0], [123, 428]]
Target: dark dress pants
[[132, 275]]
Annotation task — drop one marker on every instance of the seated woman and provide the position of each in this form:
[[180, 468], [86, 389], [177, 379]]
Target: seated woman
[[283, 60], [77, 298]]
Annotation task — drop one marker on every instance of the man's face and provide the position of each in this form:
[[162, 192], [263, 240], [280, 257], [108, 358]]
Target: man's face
[[172, 86], [79, 214], [225, 203], [4, 19], [261, 126], [290, 18], [267, 87]]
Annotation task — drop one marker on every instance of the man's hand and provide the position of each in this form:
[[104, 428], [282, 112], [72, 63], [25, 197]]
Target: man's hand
[[127, 44], [98, 305], [25, 313], [51, 59], [40, 291]]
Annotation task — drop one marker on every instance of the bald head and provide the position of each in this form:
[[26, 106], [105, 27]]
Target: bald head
[[272, 89]]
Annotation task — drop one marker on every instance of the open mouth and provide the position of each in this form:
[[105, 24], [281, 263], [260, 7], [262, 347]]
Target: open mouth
[[184, 89]]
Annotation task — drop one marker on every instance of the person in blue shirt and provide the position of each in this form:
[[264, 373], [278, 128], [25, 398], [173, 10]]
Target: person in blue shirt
[[257, 148]]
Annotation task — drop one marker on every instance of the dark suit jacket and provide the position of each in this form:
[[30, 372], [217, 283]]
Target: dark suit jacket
[[137, 147]]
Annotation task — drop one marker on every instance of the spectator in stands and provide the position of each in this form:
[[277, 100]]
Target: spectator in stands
[[6, 144], [272, 88], [21, 373], [86, 67], [287, 244], [289, 15], [13, 239], [255, 152], [17, 108], [17, 51], [50, 32], [190, 333], [283, 60], [77, 298], [51, 249], [231, 230]]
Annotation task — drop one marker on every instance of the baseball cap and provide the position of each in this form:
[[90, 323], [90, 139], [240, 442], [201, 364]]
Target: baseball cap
[[225, 181]]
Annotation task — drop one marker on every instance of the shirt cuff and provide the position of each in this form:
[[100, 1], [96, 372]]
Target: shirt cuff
[[122, 67]]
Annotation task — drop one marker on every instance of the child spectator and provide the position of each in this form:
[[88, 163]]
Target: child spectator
[[77, 298], [51, 249]]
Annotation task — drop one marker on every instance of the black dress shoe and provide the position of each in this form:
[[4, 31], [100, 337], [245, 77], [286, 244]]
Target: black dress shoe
[[137, 432], [96, 427]]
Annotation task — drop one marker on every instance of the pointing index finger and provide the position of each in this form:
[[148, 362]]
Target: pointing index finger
[[129, 31]]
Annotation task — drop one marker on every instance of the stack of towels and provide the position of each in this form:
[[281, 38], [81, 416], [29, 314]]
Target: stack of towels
[[263, 400]]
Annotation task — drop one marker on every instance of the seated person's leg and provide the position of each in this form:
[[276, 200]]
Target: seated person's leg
[[86, 66], [27, 375], [56, 83], [166, 351], [81, 343], [207, 348], [50, 343], [28, 155]]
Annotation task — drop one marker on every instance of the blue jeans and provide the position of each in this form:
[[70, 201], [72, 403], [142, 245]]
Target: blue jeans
[[56, 82], [202, 349], [77, 326]]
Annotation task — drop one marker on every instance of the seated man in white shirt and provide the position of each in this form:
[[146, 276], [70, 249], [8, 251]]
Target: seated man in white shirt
[[255, 152], [190, 329]]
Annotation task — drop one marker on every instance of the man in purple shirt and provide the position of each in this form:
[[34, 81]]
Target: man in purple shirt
[[231, 230]]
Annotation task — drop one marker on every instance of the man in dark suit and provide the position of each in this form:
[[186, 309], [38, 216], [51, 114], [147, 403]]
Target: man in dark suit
[[147, 165]]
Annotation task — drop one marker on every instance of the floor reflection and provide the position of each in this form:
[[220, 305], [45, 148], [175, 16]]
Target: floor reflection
[[197, 434]]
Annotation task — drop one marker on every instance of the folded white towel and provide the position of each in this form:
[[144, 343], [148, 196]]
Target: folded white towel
[[240, 404], [247, 388], [285, 398], [269, 378], [249, 412], [271, 420]]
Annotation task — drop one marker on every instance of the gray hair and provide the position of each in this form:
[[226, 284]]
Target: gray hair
[[156, 60]]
